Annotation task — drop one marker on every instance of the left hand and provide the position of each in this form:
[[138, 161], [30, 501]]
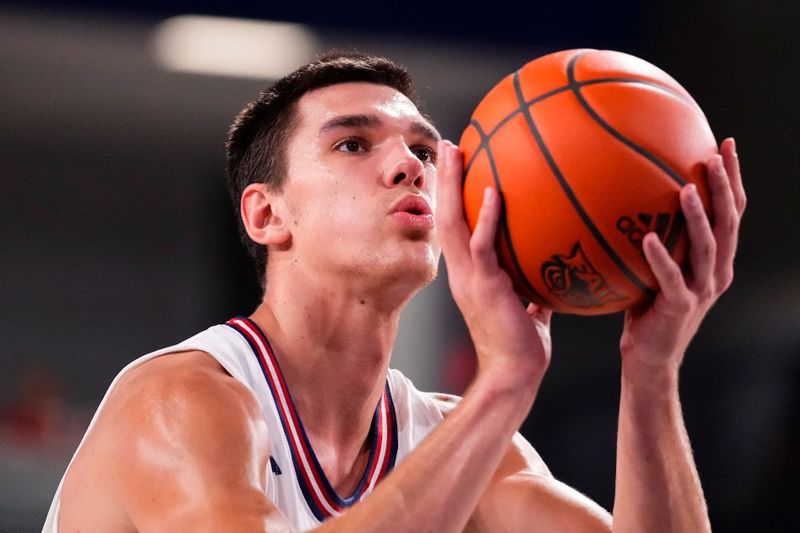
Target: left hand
[[655, 338]]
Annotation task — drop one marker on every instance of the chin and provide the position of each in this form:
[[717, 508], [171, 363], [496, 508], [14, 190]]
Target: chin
[[407, 265], [420, 269], [425, 275]]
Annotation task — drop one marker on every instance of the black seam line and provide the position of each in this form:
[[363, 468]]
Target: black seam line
[[503, 222], [511, 115], [568, 190], [576, 90], [675, 231], [634, 81], [579, 84]]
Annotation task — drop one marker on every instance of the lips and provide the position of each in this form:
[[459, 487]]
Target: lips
[[414, 205], [414, 214]]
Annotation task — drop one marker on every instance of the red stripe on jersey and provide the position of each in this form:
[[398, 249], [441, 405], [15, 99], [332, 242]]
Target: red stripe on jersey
[[322, 494], [382, 458], [275, 378]]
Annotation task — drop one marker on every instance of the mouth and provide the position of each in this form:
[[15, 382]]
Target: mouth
[[413, 205], [414, 213]]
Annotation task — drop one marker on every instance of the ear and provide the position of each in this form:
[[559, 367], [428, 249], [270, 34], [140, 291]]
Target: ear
[[261, 215]]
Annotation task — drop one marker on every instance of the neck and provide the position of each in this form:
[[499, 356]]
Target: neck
[[333, 340]]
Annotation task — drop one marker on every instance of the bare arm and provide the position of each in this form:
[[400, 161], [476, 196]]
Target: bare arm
[[190, 449], [520, 494], [657, 486]]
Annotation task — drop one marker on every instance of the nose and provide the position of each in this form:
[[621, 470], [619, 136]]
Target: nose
[[404, 167]]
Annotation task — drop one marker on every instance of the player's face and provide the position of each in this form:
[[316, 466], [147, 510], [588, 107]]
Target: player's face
[[360, 185]]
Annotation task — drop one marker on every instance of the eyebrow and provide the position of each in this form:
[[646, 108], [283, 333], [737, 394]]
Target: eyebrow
[[372, 121], [426, 130]]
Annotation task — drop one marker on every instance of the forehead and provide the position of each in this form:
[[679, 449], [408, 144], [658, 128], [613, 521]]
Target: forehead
[[356, 98]]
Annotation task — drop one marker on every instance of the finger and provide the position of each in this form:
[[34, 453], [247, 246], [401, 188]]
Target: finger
[[451, 226], [666, 271], [726, 219], [702, 247], [482, 242], [731, 158]]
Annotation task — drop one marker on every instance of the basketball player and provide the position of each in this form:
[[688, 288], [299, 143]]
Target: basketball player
[[290, 419]]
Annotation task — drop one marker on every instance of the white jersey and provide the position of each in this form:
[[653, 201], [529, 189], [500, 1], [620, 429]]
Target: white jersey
[[297, 485]]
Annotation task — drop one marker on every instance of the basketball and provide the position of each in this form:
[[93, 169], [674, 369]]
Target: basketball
[[588, 150]]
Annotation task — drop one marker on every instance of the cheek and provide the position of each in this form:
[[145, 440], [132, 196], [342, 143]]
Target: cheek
[[331, 206], [336, 215], [347, 210], [312, 202], [431, 178]]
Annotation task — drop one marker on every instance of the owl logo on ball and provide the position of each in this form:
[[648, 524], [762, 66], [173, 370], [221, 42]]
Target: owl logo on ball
[[573, 280]]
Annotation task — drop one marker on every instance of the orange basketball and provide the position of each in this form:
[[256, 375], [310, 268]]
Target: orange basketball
[[588, 149]]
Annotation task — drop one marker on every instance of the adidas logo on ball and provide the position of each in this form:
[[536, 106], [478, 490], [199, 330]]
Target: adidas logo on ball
[[667, 226]]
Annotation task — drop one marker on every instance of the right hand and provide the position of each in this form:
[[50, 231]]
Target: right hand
[[511, 341]]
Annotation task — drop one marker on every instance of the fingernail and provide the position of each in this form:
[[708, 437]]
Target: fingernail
[[487, 195], [733, 146]]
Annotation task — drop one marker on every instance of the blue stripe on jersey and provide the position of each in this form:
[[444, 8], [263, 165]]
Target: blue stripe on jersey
[[334, 500], [317, 512]]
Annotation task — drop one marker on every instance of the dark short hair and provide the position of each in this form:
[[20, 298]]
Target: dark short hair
[[257, 140]]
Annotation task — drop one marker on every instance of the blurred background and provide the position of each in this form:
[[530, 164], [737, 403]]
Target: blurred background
[[118, 239]]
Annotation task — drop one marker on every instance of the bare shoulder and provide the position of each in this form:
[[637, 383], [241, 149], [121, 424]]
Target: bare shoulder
[[186, 394], [183, 401], [190, 375], [175, 432]]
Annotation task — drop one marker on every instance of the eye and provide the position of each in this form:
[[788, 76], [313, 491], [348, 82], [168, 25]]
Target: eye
[[352, 146], [426, 154]]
